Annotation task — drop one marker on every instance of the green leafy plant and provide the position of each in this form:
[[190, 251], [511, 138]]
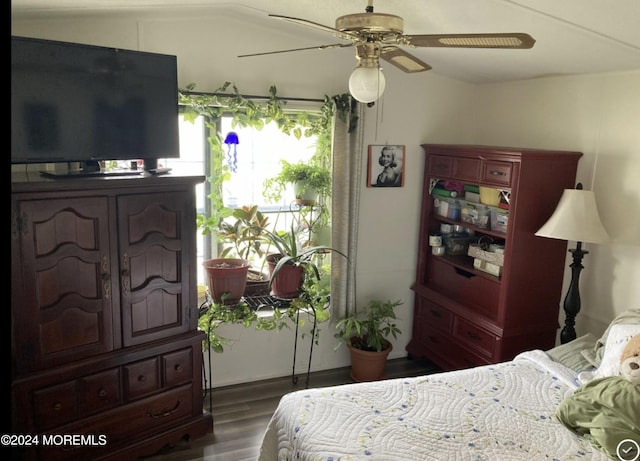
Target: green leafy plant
[[312, 304], [307, 175], [246, 233], [370, 329], [249, 113], [290, 252]]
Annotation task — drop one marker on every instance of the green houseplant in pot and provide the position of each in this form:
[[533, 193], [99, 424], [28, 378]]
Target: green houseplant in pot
[[308, 180], [367, 334], [246, 238], [291, 262]]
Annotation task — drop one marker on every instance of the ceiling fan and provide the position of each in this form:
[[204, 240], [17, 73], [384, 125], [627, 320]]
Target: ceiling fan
[[380, 35]]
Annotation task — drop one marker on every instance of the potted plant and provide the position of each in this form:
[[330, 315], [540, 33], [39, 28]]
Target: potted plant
[[366, 334], [289, 265], [226, 278], [308, 180], [246, 238]]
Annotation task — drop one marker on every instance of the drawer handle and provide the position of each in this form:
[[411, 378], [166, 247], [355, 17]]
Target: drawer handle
[[102, 393], [165, 414], [435, 313], [473, 336], [142, 378], [433, 339], [497, 173], [57, 406], [178, 368], [464, 273]]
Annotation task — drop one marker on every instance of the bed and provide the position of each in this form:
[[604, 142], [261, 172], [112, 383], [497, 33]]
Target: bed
[[506, 411]]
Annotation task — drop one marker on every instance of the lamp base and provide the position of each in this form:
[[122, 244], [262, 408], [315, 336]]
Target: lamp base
[[571, 303]]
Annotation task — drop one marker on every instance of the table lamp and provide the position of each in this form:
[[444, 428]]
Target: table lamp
[[575, 218]]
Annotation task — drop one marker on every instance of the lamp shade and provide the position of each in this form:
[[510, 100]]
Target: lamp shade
[[366, 84], [575, 218]]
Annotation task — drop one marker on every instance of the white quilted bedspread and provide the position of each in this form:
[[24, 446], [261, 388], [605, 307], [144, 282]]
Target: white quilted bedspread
[[499, 412]]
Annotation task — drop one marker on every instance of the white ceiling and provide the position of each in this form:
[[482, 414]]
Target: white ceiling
[[572, 36]]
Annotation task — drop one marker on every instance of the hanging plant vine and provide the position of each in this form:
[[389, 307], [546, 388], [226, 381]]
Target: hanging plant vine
[[246, 112]]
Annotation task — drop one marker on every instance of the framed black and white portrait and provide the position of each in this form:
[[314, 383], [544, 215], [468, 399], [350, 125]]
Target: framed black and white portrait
[[386, 166]]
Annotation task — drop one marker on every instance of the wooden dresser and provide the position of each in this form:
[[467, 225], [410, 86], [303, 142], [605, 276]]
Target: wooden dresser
[[104, 338], [466, 315]]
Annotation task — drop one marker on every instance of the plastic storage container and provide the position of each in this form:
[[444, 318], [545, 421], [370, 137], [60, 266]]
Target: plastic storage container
[[476, 214], [499, 219]]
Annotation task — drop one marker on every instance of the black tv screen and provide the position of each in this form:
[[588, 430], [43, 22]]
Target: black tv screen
[[82, 103]]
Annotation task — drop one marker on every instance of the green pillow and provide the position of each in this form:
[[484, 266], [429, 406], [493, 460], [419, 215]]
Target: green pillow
[[605, 411]]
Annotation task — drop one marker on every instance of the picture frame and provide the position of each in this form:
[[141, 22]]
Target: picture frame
[[386, 165]]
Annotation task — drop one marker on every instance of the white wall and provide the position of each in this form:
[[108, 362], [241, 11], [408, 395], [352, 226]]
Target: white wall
[[598, 115]]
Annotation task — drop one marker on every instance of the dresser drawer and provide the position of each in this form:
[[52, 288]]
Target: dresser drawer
[[458, 168], [101, 391], [146, 416], [498, 173], [466, 169], [464, 287], [177, 367], [435, 316], [440, 166], [474, 337], [447, 353], [141, 378], [55, 405]]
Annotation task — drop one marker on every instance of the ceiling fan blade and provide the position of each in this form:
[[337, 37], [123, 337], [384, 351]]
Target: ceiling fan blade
[[317, 47], [315, 25], [403, 60], [507, 40]]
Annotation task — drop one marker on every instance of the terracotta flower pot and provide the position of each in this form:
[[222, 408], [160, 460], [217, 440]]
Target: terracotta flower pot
[[367, 365], [257, 284], [226, 276], [288, 281]]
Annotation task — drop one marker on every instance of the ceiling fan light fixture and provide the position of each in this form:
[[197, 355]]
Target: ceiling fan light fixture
[[367, 83]]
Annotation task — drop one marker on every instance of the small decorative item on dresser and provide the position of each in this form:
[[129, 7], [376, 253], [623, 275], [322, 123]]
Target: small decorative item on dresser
[[435, 240], [438, 251]]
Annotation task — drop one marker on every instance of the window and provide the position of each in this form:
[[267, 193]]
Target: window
[[256, 157]]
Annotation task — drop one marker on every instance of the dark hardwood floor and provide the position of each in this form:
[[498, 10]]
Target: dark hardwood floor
[[241, 412]]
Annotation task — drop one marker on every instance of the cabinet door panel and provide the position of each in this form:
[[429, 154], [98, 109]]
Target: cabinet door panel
[[65, 295], [155, 253]]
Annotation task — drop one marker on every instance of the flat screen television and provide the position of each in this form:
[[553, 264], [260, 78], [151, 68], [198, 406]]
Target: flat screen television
[[82, 103]]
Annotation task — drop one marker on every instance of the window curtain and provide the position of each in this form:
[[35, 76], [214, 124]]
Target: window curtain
[[348, 148]]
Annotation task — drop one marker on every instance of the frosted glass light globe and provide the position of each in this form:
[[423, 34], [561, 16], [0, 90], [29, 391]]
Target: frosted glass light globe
[[366, 84]]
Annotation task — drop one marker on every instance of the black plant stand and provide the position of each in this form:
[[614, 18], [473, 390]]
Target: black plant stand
[[257, 303]]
